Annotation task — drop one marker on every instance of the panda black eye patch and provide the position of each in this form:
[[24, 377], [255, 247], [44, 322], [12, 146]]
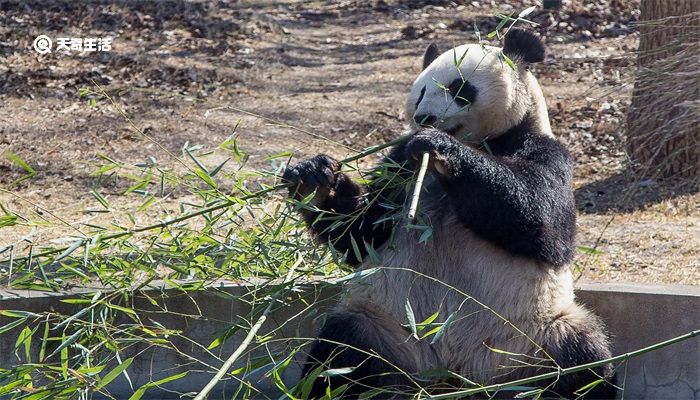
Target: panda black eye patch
[[420, 98], [463, 92]]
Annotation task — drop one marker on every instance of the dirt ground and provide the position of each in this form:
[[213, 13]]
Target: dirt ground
[[339, 69]]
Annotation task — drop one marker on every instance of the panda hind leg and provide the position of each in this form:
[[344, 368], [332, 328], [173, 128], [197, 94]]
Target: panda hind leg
[[579, 337], [370, 342]]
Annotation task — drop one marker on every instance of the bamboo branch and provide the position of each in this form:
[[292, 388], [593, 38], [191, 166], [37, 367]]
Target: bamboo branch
[[566, 371], [419, 186], [373, 149], [248, 339], [364, 153]]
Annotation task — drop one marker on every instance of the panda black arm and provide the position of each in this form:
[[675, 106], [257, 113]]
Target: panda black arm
[[520, 197], [343, 210]]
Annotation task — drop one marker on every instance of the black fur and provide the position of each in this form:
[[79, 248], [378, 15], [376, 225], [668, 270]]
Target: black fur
[[361, 207], [519, 198], [420, 98], [342, 333], [431, 53], [523, 45], [582, 345], [463, 92]]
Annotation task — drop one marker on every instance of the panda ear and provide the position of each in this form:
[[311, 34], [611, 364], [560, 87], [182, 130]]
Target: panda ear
[[431, 53], [524, 45]]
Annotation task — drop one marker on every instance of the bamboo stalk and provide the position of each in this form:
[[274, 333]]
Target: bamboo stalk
[[567, 371], [373, 149], [419, 186], [364, 153], [248, 339]]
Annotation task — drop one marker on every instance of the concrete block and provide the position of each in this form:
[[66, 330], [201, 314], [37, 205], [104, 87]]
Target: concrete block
[[636, 315]]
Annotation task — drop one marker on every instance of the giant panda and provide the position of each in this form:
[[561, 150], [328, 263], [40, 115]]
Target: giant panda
[[495, 266]]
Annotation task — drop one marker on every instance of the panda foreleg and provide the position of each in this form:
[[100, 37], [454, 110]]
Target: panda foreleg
[[522, 202], [370, 343], [575, 338]]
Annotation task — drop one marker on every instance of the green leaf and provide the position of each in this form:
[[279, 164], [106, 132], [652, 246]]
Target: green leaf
[[25, 337], [426, 235], [589, 386], [70, 249], [535, 394], [8, 220], [411, 318], [218, 168], [17, 160], [18, 314], [501, 24], [373, 254], [524, 13], [309, 381], [12, 325], [337, 392], [44, 342], [39, 395], [428, 320], [140, 391], [443, 328], [510, 62], [120, 308], [100, 198], [203, 175], [440, 85], [477, 32], [337, 372], [459, 63], [150, 200], [114, 373], [355, 248], [196, 161], [71, 339], [356, 275], [589, 250]]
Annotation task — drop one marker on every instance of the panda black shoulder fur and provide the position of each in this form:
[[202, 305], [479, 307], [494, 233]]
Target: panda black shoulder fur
[[500, 203]]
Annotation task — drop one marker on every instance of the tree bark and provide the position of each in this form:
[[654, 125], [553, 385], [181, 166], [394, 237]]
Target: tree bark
[[663, 132]]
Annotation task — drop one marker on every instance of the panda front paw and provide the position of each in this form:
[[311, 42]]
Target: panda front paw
[[441, 147], [317, 174]]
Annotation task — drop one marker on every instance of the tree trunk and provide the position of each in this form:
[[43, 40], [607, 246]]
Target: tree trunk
[[663, 132]]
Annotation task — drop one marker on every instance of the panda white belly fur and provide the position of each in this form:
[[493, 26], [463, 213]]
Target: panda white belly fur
[[451, 266]]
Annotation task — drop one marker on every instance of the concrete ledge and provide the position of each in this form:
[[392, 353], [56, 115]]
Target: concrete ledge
[[641, 315], [636, 315]]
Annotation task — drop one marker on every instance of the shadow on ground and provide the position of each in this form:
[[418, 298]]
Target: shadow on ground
[[627, 192]]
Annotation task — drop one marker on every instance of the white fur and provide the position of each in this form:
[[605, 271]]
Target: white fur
[[504, 95], [500, 301], [453, 271]]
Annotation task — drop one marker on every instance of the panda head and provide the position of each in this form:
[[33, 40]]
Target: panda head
[[480, 96]]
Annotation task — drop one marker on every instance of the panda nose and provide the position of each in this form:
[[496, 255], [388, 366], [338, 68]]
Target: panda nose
[[425, 119]]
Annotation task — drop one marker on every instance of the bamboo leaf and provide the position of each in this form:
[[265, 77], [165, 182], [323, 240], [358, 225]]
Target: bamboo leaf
[[21, 163], [337, 372], [411, 318], [443, 328], [12, 325], [71, 339], [535, 394], [355, 248], [428, 320], [524, 13], [111, 375], [100, 199]]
